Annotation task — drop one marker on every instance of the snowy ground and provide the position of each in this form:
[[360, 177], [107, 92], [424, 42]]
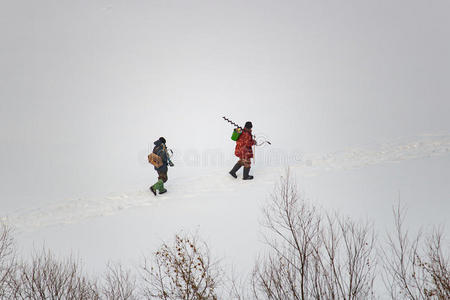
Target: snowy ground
[[345, 91], [363, 182]]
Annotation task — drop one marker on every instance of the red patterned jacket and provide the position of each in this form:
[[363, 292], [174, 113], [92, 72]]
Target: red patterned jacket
[[244, 145]]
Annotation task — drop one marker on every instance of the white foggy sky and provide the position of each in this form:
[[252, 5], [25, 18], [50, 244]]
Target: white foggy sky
[[86, 85]]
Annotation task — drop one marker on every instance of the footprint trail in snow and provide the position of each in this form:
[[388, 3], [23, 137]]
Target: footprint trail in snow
[[213, 182]]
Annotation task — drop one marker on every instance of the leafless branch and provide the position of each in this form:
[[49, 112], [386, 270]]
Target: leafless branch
[[47, 278], [415, 268], [310, 258], [119, 284], [181, 271]]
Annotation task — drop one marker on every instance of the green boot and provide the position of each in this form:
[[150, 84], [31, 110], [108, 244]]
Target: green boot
[[159, 186], [162, 190]]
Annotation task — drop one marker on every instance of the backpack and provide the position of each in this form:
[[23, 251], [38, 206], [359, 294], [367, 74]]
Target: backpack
[[155, 160], [236, 134]]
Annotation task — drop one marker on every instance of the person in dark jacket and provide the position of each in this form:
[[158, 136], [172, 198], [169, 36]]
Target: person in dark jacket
[[244, 151], [160, 149]]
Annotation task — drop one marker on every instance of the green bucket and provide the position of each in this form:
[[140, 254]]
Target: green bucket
[[236, 134]]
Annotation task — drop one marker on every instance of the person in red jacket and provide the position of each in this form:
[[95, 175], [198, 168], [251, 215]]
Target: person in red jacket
[[244, 151]]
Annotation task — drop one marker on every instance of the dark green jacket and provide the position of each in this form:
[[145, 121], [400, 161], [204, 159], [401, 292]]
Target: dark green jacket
[[160, 150]]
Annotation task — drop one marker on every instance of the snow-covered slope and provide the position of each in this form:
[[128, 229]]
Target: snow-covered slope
[[362, 182]]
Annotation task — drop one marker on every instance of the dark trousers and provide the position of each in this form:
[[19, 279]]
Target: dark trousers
[[162, 176]]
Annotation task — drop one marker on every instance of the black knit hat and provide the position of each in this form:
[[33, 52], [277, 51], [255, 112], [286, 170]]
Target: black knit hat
[[248, 125], [162, 140]]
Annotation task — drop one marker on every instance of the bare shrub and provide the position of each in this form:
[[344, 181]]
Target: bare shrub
[[437, 267], [47, 278], [310, 258], [236, 286], [347, 260], [181, 271], [415, 268], [7, 260], [119, 284]]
